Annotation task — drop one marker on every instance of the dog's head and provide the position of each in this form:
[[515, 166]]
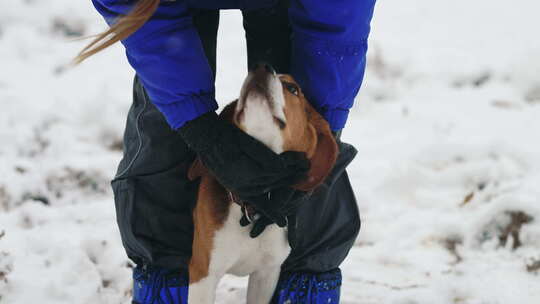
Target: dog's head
[[272, 109]]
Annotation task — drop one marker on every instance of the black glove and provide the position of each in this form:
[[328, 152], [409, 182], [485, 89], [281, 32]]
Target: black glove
[[259, 224], [275, 207], [242, 164], [288, 200]]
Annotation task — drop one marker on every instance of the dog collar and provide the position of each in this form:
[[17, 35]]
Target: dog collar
[[247, 210]]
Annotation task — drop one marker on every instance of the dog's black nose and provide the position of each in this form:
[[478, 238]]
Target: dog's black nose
[[263, 66]]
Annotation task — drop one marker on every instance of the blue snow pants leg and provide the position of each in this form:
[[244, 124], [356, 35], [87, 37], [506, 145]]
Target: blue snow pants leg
[[159, 286], [308, 288]]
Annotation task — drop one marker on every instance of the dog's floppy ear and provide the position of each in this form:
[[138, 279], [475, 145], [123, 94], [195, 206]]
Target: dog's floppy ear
[[325, 152]]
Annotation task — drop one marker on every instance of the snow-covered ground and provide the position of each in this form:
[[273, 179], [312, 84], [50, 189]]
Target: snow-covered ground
[[447, 176]]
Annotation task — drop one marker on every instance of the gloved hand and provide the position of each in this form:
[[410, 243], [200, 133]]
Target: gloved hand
[[276, 207], [288, 200], [242, 164]]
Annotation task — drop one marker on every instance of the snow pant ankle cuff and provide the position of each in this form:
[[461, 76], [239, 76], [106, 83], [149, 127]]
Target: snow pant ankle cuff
[[308, 288], [160, 286]]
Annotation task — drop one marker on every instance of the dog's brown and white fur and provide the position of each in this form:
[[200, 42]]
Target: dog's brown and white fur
[[283, 121]]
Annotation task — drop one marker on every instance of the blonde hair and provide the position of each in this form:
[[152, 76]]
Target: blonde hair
[[123, 28]]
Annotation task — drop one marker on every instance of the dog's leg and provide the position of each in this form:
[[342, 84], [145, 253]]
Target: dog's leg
[[203, 292], [262, 284]]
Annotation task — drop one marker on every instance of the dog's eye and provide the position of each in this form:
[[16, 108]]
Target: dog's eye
[[291, 87]]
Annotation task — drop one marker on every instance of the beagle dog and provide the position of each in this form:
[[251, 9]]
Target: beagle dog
[[272, 109]]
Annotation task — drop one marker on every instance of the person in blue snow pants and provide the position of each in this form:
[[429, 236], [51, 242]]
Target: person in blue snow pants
[[323, 44]]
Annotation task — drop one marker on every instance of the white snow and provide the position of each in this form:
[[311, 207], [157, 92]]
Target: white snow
[[447, 127]]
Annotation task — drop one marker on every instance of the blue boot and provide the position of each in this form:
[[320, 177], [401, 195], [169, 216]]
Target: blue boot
[[308, 288], [159, 286]]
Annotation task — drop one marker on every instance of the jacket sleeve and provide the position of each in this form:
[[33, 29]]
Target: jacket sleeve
[[329, 52], [168, 57]]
